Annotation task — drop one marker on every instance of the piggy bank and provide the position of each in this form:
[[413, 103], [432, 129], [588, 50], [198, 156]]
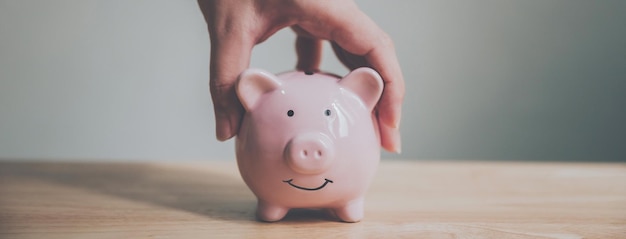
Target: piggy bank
[[308, 140]]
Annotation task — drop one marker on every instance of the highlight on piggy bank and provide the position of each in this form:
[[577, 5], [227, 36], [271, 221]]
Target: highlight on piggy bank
[[308, 140]]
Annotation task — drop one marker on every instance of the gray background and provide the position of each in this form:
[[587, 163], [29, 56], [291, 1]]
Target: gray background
[[127, 80]]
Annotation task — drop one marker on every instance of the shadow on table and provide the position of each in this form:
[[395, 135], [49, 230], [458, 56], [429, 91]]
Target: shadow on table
[[205, 193]]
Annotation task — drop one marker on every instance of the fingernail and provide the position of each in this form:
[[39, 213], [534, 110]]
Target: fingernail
[[392, 141], [398, 142], [394, 124], [223, 129], [396, 127]]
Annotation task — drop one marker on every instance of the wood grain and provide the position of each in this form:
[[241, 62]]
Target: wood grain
[[408, 199]]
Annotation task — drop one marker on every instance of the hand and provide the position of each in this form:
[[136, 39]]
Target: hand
[[236, 26]]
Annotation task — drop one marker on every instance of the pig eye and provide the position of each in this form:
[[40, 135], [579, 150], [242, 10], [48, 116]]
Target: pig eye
[[327, 112], [290, 113]]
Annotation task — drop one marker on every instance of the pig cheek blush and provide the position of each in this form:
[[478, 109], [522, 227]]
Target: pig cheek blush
[[320, 151]]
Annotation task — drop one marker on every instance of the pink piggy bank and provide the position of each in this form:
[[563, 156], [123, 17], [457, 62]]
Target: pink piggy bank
[[308, 140]]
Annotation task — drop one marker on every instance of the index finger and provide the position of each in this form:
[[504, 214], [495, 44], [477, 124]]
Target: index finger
[[230, 55], [361, 36]]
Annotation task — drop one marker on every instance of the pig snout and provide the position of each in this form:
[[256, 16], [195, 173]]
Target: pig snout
[[310, 153]]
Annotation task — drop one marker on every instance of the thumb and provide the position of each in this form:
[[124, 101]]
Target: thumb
[[230, 55]]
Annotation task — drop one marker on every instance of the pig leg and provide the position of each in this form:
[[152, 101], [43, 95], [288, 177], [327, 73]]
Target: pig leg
[[351, 212], [270, 213]]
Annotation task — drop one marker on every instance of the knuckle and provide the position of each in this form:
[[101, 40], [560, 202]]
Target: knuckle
[[222, 94], [385, 40]]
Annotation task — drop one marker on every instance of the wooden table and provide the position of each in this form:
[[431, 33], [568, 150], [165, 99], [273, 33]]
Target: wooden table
[[408, 199]]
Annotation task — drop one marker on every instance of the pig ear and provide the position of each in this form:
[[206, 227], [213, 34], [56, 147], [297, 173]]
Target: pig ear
[[366, 83], [254, 83]]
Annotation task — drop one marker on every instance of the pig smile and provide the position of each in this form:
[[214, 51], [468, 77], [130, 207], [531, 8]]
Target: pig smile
[[326, 181]]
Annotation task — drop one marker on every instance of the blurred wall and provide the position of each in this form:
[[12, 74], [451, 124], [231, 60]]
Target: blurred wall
[[510, 80]]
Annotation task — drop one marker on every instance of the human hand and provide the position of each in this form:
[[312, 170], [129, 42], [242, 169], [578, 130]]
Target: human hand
[[235, 27]]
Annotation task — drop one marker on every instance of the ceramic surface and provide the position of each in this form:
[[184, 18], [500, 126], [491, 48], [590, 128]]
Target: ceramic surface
[[308, 140]]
